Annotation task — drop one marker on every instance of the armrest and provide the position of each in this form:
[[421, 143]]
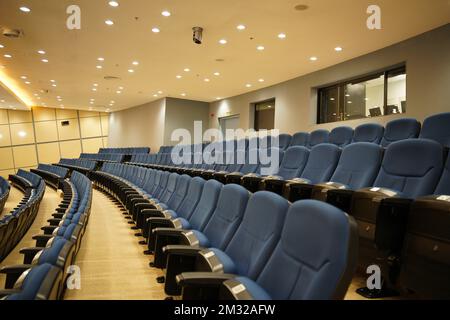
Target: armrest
[[174, 249], [54, 221], [298, 189], [234, 290], [168, 232], [13, 273], [42, 239], [163, 237], [251, 182], [7, 292], [202, 285], [58, 215], [29, 253], [341, 198], [49, 229], [61, 210], [234, 177], [320, 191]]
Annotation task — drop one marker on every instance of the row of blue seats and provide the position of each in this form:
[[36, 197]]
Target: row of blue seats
[[15, 224], [81, 165], [51, 174], [4, 192], [238, 238], [410, 179], [44, 274], [132, 150], [111, 157]]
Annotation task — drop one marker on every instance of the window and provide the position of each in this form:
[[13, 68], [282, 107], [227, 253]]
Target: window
[[382, 93], [265, 115]]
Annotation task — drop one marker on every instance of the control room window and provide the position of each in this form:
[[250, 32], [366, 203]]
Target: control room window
[[265, 115], [379, 94]]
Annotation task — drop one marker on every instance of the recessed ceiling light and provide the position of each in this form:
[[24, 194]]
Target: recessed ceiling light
[[95, 84], [7, 56], [218, 98], [166, 13], [27, 82], [112, 101], [347, 95], [216, 74], [155, 30], [178, 77], [113, 3], [313, 58], [338, 49], [206, 80], [94, 89], [160, 92], [130, 70], [23, 77], [25, 9], [36, 95], [44, 60], [119, 92], [349, 102], [41, 52], [260, 48], [109, 22], [282, 36], [187, 70], [99, 67], [1, 46], [120, 88], [261, 80], [241, 27], [21, 133], [222, 41], [91, 103], [183, 94], [53, 85], [248, 85], [101, 59], [135, 63], [155, 95]]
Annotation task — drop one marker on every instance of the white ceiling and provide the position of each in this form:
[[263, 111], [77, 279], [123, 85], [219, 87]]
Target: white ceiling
[[72, 54]]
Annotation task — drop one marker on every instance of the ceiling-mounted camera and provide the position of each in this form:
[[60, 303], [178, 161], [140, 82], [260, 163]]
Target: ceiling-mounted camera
[[198, 35]]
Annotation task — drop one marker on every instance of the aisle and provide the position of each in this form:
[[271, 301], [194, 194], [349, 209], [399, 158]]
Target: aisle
[[111, 260], [47, 208]]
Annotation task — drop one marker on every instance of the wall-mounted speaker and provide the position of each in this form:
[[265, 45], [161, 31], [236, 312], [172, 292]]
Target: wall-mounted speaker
[[65, 123]]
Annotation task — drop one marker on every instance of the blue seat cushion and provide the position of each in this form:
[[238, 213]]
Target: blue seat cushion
[[203, 241], [228, 265], [254, 289]]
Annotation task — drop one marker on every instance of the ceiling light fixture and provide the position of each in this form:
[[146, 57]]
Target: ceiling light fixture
[[23, 77], [135, 63], [155, 95], [223, 41], [99, 67], [8, 56], [109, 22], [25, 9], [178, 77], [113, 4], [261, 80], [27, 82], [130, 70], [313, 58], [282, 36], [206, 80], [53, 85], [118, 92], [160, 92], [338, 49], [183, 94], [95, 84], [101, 59], [216, 74], [155, 30], [260, 48], [248, 85], [166, 13], [1, 46], [241, 27], [44, 60], [187, 70], [41, 52]]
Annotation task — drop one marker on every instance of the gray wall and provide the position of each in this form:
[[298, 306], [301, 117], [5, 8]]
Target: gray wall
[[138, 126], [427, 60], [182, 113]]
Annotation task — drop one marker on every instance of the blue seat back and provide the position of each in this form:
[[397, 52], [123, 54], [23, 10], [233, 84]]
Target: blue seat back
[[359, 165], [369, 132], [341, 136], [294, 161], [300, 139], [193, 196], [412, 167], [284, 140], [227, 216], [180, 192], [437, 128], [258, 234], [322, 162], [317, 137], [206, 205], [443, 188], [400, 129], [315, 257]]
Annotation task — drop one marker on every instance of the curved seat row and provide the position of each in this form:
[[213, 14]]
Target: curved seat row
[[14, 225], [81, 165], [229, 237], [45, 270], [133, 150], [105, 157], [4, 192], [51, 174]]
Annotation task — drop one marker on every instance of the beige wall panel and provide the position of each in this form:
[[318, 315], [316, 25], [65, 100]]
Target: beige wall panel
[[70, 149], [92, 145], [19, 116], [90, 127], [4, 116], [44, 114], [6, 158], [5, 137], [48, 153], [22, 133], [72, 131], [25, 156], [105, 142], [5, 173], [66, 114], [105, 125], [46, 131], [87, 114]]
